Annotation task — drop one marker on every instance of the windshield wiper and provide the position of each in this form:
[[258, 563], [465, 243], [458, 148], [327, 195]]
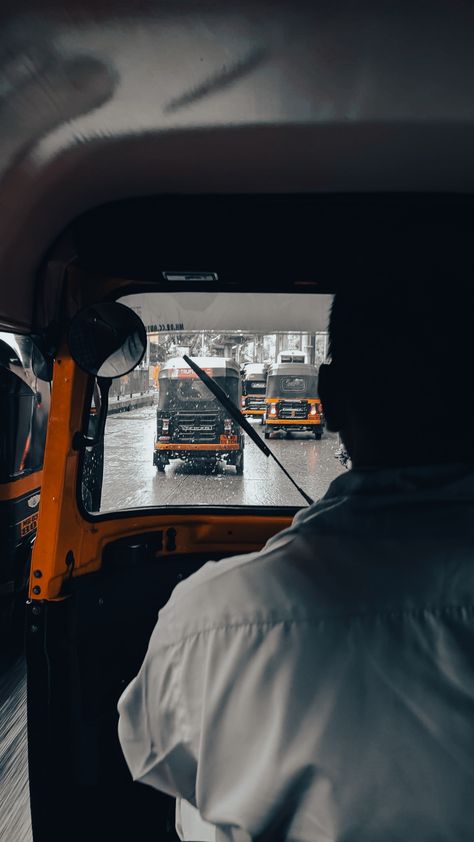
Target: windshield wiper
[[240, 419]]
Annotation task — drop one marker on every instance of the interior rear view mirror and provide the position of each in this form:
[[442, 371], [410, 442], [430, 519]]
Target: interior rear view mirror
[[107, 340]]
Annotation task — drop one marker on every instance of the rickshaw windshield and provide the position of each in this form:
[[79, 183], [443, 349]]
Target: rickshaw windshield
[[255, 387], [289, 385], [190, 392], [169, 442], [25, 407]]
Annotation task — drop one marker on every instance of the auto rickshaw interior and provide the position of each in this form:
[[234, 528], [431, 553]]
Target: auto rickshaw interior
[[98, 581]]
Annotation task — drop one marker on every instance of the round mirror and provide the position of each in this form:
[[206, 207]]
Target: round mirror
[[107, 339]]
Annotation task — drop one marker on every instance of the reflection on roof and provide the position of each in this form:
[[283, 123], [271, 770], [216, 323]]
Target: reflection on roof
[[299, 369], [255, 368]]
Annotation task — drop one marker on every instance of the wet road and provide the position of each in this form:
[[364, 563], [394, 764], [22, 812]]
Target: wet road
[[131, 480], [15, 825]]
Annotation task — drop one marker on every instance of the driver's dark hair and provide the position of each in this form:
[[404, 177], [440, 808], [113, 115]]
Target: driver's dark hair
[[405, 351]]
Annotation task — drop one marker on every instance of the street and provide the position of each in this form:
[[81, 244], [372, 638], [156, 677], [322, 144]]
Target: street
[[15, 825], [131, 480]]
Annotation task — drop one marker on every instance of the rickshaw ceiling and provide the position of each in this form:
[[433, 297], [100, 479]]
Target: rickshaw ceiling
[[112, 102]]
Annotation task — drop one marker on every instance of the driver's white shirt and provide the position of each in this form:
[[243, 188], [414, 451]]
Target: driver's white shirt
[[323, 688]]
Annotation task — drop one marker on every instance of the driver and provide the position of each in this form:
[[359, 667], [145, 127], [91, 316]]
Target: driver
[[322, 689]]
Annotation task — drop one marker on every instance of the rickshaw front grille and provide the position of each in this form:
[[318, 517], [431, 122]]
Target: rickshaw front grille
[[196, 427], [256, 403], [293, 409]]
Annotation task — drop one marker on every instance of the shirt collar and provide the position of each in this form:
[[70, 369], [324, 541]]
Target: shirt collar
[[453, 480]]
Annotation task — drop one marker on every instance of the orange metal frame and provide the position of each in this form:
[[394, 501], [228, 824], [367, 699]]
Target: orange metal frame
[[309, 400], [300, 421], [214, 447], [18, 487]]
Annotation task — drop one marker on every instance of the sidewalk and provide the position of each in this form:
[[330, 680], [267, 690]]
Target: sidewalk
[[126, 402]]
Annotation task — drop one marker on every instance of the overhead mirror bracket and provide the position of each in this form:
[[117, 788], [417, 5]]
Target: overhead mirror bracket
[[42, 358]]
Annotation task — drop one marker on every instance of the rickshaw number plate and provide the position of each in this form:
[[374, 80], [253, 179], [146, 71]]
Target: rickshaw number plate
[[29, 524]]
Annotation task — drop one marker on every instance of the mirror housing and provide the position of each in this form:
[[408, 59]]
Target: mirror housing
[[107, 340], [41, 361]]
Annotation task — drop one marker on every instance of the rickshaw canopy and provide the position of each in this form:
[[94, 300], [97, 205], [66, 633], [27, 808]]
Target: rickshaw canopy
[[214, 366], [296, 98]]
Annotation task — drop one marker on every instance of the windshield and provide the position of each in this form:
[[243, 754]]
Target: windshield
[[292, 386], [256, 387], [25, 407], [194, 392], [168, 441]]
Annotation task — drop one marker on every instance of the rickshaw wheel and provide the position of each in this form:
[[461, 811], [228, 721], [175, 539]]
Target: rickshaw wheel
[[318, 436], [160, 467], [239, 465], [267, 434]]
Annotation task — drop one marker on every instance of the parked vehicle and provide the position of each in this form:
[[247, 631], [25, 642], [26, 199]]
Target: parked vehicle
[[190, 423], [292, 402]]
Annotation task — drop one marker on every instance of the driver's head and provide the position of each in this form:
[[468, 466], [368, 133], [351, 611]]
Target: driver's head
[[399, 385]]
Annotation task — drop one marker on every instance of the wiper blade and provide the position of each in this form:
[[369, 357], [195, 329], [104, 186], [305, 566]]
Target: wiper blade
[[240, 419]]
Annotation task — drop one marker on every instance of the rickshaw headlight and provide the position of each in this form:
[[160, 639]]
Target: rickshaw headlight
[[227, 426], [314, 409], [165, 425], [272, 409]]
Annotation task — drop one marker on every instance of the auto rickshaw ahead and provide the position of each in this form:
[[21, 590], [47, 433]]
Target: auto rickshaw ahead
[[190, 423], [254, 384], [292, 401]]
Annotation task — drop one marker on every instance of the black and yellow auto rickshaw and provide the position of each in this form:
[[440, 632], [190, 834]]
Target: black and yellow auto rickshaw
[[292, 402], [24, 408], [140, 138], [254, 382], [190, 423]]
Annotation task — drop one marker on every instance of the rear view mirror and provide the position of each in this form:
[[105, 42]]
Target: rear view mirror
[[107, 340]]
